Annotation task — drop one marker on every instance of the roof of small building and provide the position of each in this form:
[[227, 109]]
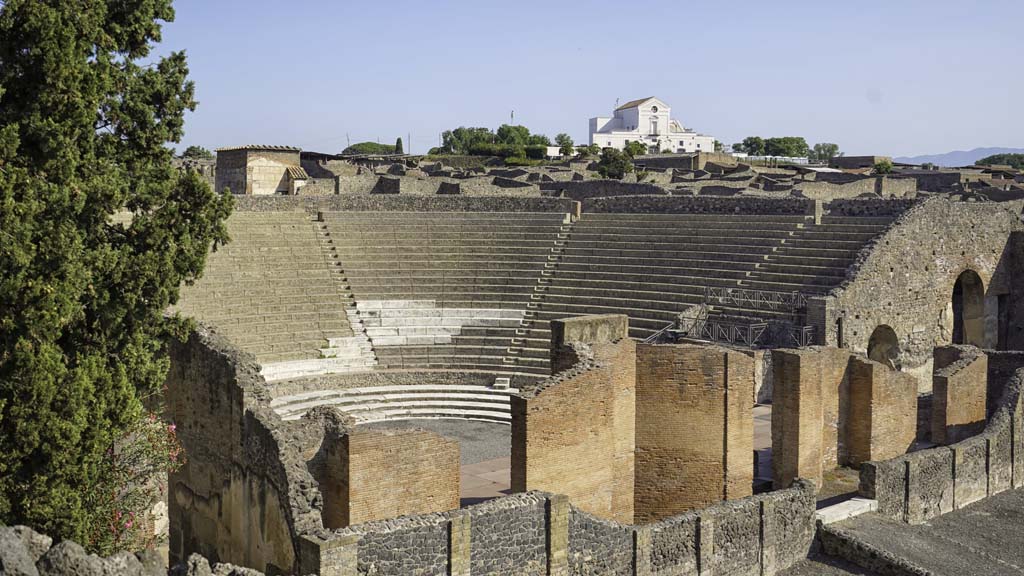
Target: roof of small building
[[297, 173], [634, 103], [260, 147]]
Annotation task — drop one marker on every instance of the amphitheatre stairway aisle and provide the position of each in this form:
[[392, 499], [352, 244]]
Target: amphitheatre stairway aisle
[[449, 290], [271, 292]]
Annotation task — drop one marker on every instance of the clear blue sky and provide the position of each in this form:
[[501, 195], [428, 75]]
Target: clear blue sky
[[889, 77]]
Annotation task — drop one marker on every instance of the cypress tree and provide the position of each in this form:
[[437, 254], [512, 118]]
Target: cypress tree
[[84, 129], [398, 146]]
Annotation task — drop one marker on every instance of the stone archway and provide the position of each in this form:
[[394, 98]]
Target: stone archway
[[884, 346], [968, 303]]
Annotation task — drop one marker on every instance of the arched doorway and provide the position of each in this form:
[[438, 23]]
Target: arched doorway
[[969, 309], [884, 347]]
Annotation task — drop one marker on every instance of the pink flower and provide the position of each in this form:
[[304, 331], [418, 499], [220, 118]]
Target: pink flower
[[171, 427]]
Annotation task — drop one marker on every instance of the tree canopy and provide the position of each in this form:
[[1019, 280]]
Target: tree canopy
[[565, 144], [793, 146], [1011, 160], [634, 149], [824, 152], [614, 164], [197, 152], [370, 148], [84, 134], [508, 142], [399, 149]]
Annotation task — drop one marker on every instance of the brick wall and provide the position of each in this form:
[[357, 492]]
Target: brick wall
[[380, 474], [575, 433], [694, 432], [883, 412], [959, 393]]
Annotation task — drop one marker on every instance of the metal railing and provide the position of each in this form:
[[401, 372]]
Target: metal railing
[[747, 334], [657, 335], [756, 299], [800, 336]]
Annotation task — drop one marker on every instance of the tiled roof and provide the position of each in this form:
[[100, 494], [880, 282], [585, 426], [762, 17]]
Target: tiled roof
[[634, 103], [297, 173], [261, 147]]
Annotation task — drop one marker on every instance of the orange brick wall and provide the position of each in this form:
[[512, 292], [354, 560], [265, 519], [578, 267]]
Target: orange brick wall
[[883, 411], [380, 474], [694, 428], [797, 417], [959, 402], [575, 437]]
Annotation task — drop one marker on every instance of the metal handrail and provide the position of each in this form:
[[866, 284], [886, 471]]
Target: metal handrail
[[654, 337]]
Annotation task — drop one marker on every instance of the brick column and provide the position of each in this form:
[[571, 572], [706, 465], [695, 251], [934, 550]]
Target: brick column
[[459, 544], [557, 507], [335, 557]]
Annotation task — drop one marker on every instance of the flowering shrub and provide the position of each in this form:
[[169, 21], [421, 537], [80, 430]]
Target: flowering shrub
[[132, 478]]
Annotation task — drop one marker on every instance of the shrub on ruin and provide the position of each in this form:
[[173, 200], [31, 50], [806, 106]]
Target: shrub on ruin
[[398, 146], [883, 167], [198, 153], [537, 152], [87, 114], [132, 476], [634, 149], [614, 164]]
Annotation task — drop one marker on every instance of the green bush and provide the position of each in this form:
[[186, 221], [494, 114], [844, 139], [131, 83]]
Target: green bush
[[537, 152], [614, 164]]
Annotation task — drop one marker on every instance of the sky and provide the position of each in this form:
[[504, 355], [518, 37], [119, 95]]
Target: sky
[[894, 77]]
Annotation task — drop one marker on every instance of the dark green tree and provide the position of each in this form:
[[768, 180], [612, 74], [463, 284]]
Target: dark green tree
[[824, 152], [883, 167], [538, 140], [1011, 160], [86, 116], [398, 146], [754, 145], [462, 139], [614, 164], [513, 135], [564, 143], [718, 146], [197, 152], [793, 146], [635, 148], [369, 148]]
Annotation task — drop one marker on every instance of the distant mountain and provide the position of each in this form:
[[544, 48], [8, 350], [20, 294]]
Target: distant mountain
[[958, 157]]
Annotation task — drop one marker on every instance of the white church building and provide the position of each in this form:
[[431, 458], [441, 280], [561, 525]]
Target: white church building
[[647, 120]]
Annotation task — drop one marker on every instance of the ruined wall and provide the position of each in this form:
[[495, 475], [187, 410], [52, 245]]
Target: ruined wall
[[905, 281], [402, 203], [883, 412], [959, 394], [239, 498], [574, 434], [832, 409], [599, 188], [922, 485], [700, 205], [694, 428], [883, 186], [380, 474], [247, 171]]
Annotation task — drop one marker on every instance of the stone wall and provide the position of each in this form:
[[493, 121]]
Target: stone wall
[[254, 171], [922, 485], [959, 393], [875, 185], [239, 498], [574, 434], [535, 533], [700, 205], [694, 433], [905, 281], [599, 188], [883, 411], [402, 203]]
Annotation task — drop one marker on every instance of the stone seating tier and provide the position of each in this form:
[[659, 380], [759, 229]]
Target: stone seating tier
[[376, 403]]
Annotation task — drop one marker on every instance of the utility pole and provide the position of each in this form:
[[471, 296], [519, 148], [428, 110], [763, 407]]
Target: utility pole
[[409, 145], [347, 141], [512, 118]]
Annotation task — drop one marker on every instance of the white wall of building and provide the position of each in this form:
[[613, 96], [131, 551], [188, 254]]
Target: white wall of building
[[649, 122]]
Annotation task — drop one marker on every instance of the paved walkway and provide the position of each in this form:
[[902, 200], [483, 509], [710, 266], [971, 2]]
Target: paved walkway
[[983, 539]]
